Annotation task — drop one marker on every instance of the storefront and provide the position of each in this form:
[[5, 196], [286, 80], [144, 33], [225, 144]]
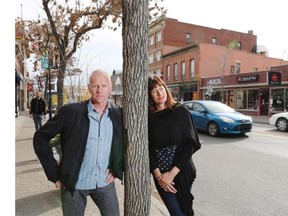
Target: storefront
[[184, 91], [258, 93]]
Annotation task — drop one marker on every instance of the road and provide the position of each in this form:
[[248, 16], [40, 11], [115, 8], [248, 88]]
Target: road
[[243, 175]]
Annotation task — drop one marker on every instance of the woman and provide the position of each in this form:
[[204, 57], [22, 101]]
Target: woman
[[172, 141]]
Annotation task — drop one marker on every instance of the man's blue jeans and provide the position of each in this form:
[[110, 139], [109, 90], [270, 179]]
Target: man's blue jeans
[[37, 121], [105, 198]]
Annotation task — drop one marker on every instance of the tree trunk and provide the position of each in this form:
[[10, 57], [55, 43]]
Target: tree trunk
[[137, 199], [60, 84]]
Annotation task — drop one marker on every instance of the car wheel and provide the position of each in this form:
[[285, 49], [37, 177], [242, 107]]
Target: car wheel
[[213, 129], [282, 124]]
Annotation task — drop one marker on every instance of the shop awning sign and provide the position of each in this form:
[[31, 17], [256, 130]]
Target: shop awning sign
[[248, 78], [274, 78]]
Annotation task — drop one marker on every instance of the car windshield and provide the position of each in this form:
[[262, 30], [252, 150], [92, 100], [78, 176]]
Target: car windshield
[[217, 107]]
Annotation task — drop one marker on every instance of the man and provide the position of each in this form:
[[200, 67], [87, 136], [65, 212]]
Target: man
[[37, 110], [91, 136]]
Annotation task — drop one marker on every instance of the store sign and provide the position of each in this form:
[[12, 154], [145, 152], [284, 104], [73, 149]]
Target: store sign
[[249, 78], [274, 78], [215, 82]]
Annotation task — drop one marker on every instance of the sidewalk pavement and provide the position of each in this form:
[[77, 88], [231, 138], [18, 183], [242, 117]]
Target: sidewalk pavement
[[261, 119], [35, 195]]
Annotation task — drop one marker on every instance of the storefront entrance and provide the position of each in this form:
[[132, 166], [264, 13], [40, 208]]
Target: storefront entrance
[[264, 99]]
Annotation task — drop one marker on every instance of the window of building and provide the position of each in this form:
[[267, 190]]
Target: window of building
[[183, 70], [232, 69], [175, 72], [214, 40], [237, 67], [168, 73], [278, 99], [150, 58], [158, 55], [151, 40], [192, 69], [158, 72], [158, 36], [255, 68], [247, 99], [188, 38], [239, 45]]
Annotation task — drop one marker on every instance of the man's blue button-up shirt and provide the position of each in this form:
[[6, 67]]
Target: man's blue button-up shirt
[[94, 166]]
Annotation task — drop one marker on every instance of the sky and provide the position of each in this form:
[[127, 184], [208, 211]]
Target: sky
[[265, 18]]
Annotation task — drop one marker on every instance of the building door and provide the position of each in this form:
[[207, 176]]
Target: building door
[[231, 99]]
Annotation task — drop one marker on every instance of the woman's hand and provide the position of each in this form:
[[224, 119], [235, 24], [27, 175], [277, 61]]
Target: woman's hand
[[166, 182]]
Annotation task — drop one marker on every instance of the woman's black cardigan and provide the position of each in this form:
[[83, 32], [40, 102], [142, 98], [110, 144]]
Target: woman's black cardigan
[[176, 127]]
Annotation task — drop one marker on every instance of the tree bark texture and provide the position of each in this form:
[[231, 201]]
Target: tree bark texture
[[137, 199]]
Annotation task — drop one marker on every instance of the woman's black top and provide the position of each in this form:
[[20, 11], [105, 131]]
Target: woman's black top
[[172, 141]]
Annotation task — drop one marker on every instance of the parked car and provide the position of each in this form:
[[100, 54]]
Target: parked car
[[216, 118], [280, 121]]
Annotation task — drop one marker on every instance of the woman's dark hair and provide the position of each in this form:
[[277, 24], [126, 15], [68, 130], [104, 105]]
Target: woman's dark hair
[[152, 83]]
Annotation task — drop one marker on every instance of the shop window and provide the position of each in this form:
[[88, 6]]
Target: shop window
[[253, 102], [278, 99], [247, 99], [240, 97]]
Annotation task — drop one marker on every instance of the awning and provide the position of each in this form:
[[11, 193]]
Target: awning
[[19, 76]]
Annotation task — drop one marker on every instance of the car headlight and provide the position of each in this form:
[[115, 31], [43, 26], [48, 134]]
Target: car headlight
[[227, 120]]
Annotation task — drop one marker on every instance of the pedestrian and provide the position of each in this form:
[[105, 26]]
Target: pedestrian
[[172, 141], [37, 110], [92, 143]]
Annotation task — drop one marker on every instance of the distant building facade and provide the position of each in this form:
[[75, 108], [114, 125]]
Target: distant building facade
[[22, 86], [117, 87], [198, 62]]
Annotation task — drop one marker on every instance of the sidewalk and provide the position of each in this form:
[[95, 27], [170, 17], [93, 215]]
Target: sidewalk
[[261, 119], [35, 195]]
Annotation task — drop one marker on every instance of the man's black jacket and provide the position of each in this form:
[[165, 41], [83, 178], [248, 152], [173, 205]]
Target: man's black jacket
[[72, 123], [37, 106]]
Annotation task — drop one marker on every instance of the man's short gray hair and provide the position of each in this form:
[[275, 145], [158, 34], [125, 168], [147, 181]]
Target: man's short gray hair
[[102, 72]]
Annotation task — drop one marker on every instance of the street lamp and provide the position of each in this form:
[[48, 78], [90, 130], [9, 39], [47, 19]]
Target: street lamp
[[46, 64], [49, 83]]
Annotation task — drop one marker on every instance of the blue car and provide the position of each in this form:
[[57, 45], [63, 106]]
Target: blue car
[[216, 118]]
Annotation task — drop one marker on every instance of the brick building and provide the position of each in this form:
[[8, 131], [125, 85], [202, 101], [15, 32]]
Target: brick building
[[197, 62], [185, 67], [167, 34]]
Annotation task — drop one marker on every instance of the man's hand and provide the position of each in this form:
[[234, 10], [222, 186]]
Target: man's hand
[[59, 185], [110, 177]]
